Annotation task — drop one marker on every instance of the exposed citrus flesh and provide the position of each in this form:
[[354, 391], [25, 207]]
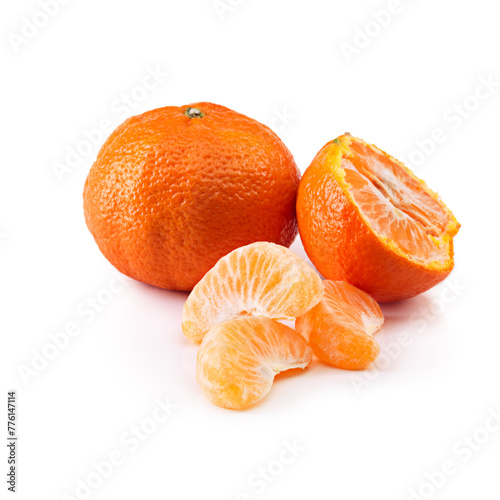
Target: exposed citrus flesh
[[340, 328], [238, 360], [395, 204], [176, 188], [367, 219], [260, 279]]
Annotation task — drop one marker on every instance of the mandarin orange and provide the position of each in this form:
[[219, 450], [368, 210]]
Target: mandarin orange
[[367, 219], [176, 188]]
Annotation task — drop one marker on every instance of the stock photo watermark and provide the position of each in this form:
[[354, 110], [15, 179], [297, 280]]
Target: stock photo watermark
[[281, 118], [420, 320], [462, 451], [85, 313], [12, 455], [224, 7], [121, 108], [365, 33], [261, 479], [30, 26], [130, 441], [453, 118]]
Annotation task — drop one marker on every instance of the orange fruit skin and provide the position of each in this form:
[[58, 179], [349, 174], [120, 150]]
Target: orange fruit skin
[[343, 247], [238, 360], [169, 195]]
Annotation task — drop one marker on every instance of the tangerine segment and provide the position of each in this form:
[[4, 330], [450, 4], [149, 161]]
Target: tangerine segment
[[367, 219], [260, 279], [238, 360], [340, 328]]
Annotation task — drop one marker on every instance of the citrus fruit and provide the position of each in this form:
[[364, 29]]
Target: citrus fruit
[[340, 328], [260, 279], [367, 219], [176, 188], [238, 359]]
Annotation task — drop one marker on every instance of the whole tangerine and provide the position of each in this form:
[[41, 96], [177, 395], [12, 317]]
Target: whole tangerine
[[175, 189]]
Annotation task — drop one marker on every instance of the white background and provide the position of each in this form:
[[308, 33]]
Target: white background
[[376, 435]]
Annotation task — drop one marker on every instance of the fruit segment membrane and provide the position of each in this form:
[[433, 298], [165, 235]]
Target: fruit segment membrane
[[260, 279], [238, 360], [352, 307], [340, 328], [395, 204]]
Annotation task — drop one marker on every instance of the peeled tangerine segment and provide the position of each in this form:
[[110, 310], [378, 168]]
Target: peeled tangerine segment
[[340, 328], [238, 360], [261, 279]]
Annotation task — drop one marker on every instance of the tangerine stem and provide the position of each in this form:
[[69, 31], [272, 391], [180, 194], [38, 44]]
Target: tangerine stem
[[194, 113]]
